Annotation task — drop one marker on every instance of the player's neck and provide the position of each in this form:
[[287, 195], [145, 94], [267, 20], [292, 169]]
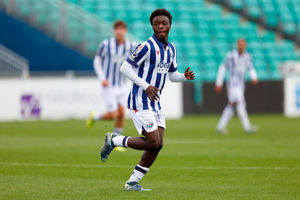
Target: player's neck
[[241, 52], [164, 41], [120, 41]]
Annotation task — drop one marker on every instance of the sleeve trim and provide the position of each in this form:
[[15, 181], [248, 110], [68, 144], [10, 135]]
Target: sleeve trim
[[132, 63]]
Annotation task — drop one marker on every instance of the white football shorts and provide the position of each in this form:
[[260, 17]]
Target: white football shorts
[[236, 95], [148, 120], [114, 96]]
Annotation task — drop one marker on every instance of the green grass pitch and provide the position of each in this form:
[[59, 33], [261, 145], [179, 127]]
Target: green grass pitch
[[60, 160]]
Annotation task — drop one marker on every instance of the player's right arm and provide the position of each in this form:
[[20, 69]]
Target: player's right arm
[[97, 63], [221, 74], [252, 71], [134, 60]]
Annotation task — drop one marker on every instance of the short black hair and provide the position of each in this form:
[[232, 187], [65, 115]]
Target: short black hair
[[160, 11]]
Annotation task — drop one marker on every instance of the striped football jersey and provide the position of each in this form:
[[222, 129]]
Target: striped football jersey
[[151, 61], [112, 56], [237, 65]]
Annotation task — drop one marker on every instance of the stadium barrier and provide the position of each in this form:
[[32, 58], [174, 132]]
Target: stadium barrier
[[57, 98], [291, 71], [266, 97]]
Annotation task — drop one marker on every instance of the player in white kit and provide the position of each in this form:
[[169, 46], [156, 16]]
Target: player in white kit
[[111, 54], [237, 62], [147, 67]]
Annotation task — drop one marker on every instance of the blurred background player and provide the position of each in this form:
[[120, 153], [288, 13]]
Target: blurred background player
[[111, 54], [147, 67], [237, 62]]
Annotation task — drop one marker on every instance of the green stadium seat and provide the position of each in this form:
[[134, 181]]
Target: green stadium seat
[[24, 7], [271, 20], [268, 36], [289, 28], [275, 75], [74, 1], [263, 74], [254, 12], [297, 55], [75, 37], [41, 18], [92, 46], [236, 4]]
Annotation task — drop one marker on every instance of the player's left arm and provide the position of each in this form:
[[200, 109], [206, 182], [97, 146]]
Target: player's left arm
[[252, 71], [175, 76]]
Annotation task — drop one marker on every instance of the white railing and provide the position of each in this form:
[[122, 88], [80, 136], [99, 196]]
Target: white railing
[[87, 18], [12, 64]]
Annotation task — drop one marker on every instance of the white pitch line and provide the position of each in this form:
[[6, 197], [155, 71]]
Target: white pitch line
[[159, 167]]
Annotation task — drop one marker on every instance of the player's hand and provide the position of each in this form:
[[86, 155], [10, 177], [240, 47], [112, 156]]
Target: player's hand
[[255, 82], [218, 89], [189, 75], [105, 83], [152, 93]]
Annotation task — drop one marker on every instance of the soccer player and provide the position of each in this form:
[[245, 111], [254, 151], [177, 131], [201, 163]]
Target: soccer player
[[237, 62], [107, 62], [147, 67]]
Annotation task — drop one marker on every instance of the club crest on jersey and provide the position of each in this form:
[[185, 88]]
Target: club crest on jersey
[[157, 52], [150, 124], [136, 52]]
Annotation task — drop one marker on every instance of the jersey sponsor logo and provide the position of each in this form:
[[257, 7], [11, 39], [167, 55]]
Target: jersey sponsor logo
[[135, 53], [162, 68]]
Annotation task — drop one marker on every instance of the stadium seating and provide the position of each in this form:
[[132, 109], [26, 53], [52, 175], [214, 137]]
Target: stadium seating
[[203, 32], [276, 13]]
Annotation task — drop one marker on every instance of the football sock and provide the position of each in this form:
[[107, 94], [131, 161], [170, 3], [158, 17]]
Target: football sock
[[118, 131], [226, 116], [97, 116], [120, 141], [138, 173], [243, 115]]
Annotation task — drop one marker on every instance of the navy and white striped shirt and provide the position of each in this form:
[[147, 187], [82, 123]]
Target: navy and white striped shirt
[[151, 61], [238, 65], [112, 56]]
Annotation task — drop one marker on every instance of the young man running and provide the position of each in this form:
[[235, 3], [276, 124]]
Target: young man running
[[147, 67], [107, 63]]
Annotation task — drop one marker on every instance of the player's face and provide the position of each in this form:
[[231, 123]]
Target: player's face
[[161, 26], [120, 32], [241, 45]]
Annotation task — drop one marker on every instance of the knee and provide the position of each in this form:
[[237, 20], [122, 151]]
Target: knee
[[121, 113], [114, 114], [160, 146], [156, 146]]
